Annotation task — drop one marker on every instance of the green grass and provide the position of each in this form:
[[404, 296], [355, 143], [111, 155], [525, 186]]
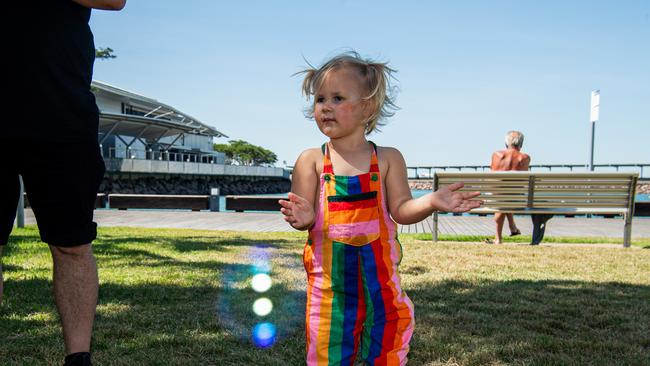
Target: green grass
[[180, 297]]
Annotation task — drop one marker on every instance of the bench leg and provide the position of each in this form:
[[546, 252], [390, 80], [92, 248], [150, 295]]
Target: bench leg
[[627, 230], [434, 231]]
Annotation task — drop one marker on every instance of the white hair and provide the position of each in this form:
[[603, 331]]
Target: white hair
[[515, 139]]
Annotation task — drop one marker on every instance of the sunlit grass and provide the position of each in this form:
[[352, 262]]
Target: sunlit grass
[[178, 297]]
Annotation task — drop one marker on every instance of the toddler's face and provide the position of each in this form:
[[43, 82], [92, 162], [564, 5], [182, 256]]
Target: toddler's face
[[339, 109]]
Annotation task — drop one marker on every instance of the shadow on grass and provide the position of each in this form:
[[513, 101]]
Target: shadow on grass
[[158, 321], [159, 324], [187, 243], [532, 322], [536, 323]]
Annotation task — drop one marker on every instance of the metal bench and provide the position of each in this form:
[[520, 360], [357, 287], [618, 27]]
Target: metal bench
[[527, 193]]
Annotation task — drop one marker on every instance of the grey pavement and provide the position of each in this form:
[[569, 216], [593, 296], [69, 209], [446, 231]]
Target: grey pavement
[[273, 222]]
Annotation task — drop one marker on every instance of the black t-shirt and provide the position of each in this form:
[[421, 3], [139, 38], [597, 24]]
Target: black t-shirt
[[51, 54]]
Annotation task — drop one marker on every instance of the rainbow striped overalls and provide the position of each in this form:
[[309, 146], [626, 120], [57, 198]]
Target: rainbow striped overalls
[[354, 298]]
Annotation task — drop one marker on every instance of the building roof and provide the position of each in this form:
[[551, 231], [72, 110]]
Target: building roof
[[160, 119]]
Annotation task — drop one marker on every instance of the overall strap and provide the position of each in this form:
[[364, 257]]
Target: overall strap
[[327, 163], [374, 161]]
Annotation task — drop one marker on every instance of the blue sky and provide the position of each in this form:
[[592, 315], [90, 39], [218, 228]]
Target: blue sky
[[468, 71]]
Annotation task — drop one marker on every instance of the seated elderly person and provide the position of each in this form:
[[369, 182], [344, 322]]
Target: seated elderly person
[[509, 159]]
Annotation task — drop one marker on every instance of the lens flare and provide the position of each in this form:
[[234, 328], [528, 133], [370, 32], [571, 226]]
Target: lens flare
[[261, 282], [264, 335], [262, 306]]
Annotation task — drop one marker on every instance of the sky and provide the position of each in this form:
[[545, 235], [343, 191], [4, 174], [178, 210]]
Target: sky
[[468, 71]]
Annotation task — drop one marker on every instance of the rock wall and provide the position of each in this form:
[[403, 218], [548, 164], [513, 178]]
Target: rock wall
[[191, 184]]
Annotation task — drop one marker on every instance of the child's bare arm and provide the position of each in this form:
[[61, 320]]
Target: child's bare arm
[[406, 210], [299, 209]]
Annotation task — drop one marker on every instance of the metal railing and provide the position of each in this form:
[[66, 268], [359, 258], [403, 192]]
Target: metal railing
[[150, 154], [426, 172]]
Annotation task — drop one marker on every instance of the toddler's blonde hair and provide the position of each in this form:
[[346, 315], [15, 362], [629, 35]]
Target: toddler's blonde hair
[[376, 83]]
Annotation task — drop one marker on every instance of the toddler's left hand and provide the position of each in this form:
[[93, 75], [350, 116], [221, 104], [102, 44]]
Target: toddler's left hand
[[448, 199]]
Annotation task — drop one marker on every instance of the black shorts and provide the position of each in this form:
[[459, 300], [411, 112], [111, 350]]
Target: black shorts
[[61, 181]]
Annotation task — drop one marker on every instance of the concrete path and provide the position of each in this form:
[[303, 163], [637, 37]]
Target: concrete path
[[468, 225]]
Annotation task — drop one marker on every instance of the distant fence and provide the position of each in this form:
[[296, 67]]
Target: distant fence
[[426, 172], [207, 202], [151, 154]]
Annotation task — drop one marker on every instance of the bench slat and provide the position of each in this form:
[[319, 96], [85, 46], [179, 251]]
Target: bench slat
[[557, 211], [542, 190], [519, 174], [581, 183], [580, 197], [511, 197], [497, 190], [484, 181], [579, 204]]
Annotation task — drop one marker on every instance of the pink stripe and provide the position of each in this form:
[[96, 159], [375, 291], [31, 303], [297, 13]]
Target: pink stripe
[[316, 296], [315, 299], [388, 220], [355, 229], [400, 297]]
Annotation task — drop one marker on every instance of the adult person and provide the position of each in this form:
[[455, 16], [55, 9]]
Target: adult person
[[49, 137], [509, 159]]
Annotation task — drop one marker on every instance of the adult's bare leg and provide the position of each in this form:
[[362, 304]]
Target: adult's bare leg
[[511, 223], [499, 218], [75, 292]]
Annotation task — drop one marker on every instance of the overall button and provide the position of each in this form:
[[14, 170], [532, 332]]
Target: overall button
[[327, 177], [374, 177]]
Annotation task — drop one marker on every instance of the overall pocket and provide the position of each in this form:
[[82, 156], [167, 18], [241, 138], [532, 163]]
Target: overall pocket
[[353, 219]]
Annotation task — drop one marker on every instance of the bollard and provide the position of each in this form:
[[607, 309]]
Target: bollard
[[214, 199]]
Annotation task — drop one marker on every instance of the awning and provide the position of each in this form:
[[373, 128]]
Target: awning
[[148, 128]]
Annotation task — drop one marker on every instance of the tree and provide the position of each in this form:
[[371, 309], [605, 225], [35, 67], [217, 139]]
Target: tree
[[245, 153], [104, 53]]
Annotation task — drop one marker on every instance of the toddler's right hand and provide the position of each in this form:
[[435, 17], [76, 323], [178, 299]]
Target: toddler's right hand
[[297, 211]]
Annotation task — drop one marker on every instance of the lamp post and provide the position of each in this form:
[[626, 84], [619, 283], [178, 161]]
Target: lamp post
[[593, 117]]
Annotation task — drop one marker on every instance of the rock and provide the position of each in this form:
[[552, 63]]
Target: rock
[[189, 185]]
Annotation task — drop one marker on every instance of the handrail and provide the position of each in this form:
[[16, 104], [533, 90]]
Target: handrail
[[428, 170]]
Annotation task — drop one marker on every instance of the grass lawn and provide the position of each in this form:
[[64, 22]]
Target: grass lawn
[[182, 297]]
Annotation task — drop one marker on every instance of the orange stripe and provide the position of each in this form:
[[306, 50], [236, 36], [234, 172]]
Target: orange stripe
[[346, 217]]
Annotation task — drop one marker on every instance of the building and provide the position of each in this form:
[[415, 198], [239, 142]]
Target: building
[[132, 126], [150, 147]]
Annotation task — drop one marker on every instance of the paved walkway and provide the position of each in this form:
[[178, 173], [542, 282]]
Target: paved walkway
[[468, 225]]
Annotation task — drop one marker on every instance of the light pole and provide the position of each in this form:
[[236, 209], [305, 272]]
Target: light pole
[[593, 117]]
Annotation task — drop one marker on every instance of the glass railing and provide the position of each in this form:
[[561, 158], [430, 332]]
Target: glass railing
[[150, 154]]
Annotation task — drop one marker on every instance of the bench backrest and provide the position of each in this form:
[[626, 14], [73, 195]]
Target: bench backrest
[[531, 190]]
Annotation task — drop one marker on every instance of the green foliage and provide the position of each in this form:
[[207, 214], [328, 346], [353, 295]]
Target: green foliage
[[245, 153], [104, 53]]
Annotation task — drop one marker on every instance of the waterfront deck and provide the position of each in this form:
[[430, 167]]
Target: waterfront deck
[[273, 222]]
